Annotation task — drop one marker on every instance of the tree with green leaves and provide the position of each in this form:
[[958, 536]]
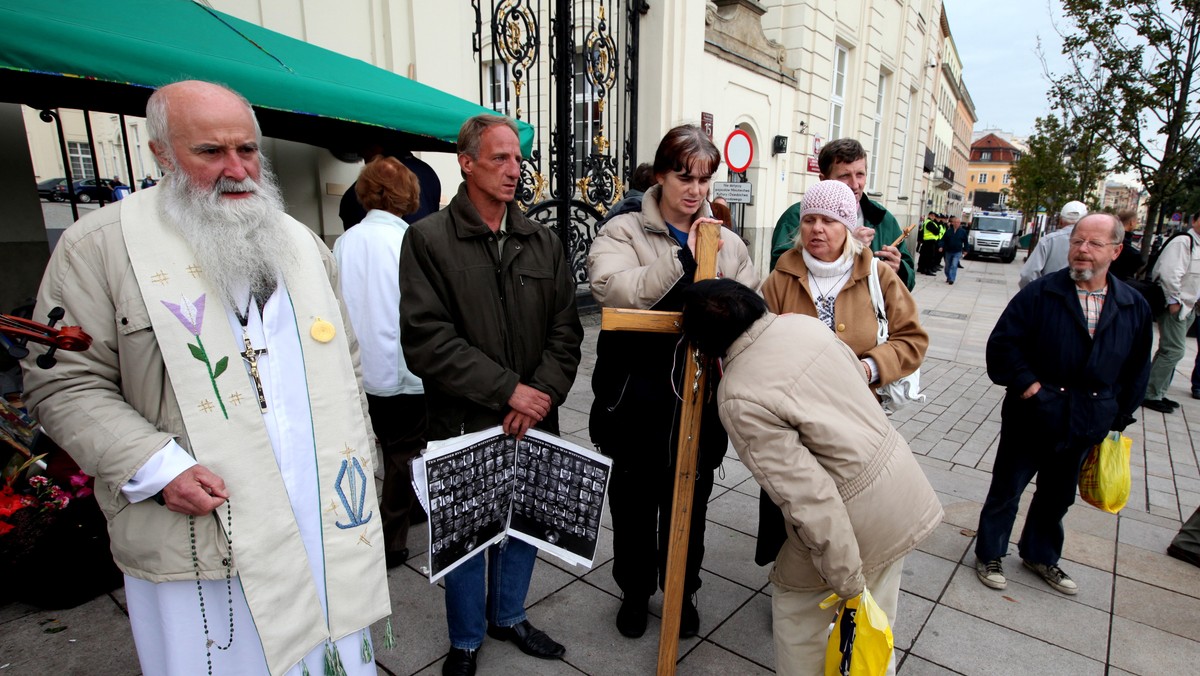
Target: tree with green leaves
[[1040, 179], [1133, 66]]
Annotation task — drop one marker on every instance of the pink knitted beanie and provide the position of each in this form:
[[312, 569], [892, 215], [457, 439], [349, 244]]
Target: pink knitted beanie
[[833, 199]]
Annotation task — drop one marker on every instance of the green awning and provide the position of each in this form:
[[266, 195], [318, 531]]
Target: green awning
[[109, 56]]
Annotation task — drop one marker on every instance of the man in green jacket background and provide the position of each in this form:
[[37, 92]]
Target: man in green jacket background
[[845, 160]]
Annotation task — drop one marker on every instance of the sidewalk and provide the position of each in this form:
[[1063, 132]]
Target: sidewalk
[[1137, 612]]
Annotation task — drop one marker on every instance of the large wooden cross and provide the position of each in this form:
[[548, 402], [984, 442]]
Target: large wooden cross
[[651, 321]]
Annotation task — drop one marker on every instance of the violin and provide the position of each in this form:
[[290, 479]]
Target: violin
[[15, 334]]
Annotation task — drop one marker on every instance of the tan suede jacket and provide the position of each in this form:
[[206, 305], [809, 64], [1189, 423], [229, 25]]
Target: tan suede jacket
[[854, 498]]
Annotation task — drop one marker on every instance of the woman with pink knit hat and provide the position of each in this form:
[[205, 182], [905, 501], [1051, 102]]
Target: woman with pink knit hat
[[826, 276]]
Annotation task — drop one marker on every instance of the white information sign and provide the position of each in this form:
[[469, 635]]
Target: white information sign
[[734, 193]]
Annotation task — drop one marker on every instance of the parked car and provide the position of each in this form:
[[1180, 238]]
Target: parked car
[[90, 189], [49, 189]]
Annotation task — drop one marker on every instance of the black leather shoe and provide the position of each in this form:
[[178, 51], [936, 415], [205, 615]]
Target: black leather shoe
[[1170, 402], [395, 559], [689, 618], [1158, 405], [460, 662], [631, 618], [531, 641], [1183, 555], [1195, 394]]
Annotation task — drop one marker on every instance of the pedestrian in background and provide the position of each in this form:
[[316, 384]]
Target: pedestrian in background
[[368, 258], [952, 248], [1051, 251], [1072, 351], [1178, 273], [1130, 260]]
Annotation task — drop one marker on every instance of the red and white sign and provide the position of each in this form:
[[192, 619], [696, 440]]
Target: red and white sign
[[739, 151]]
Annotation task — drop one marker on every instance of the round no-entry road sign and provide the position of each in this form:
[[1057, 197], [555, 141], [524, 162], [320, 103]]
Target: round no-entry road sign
[[738, 151]]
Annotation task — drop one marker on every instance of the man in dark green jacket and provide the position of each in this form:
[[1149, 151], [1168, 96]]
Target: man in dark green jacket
[[488, 322], [845, 160]]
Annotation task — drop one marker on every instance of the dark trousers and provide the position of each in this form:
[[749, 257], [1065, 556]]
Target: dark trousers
[[1019, 457], [1196, 366], [399, 423], [928, 259], [639, 499]]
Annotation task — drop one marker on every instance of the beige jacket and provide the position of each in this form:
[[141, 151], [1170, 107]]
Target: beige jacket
[[854, 498], [634, 260], [786, 290], [112, 406]]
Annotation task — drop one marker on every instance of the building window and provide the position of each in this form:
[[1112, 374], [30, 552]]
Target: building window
[[983, 178], [1016, 155], [587, 115], [497, 94], [81, 160], [877, 137], [1007, 178], [985, 156], [837, 105]]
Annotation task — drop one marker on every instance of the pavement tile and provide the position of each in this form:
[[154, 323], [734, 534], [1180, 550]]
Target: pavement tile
[[730, 554], [974, 646], [418, 623], [1159, 608], [1148, 536], [734, 473], [915, 666], [946, 541], [80, 640], [1090, 550], [911, 613], [1141, 649], [747, 633], [737, 511], [1043, 613], [926, 575], [1158, 569], [709, 659]]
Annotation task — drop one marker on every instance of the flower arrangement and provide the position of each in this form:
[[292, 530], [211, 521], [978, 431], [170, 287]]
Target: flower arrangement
[[41, 494]]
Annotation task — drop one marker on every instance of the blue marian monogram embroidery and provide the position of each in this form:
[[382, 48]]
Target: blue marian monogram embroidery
[[358, 493]]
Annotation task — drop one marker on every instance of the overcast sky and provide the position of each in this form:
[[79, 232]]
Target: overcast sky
[[996, 42]]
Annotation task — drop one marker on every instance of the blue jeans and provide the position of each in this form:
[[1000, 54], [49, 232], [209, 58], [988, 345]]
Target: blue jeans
[[1020, 456], [470, 607], [952, 258]]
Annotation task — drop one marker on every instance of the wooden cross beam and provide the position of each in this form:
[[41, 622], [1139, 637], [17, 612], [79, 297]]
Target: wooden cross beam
[[614, 319]]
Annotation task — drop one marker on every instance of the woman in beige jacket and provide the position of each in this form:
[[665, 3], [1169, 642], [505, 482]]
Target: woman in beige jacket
[[854, 498]]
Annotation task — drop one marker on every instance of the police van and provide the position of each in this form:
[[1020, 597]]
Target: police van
[[995, 233]]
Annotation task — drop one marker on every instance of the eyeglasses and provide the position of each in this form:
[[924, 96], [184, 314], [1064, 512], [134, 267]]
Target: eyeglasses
[[1091, 243]]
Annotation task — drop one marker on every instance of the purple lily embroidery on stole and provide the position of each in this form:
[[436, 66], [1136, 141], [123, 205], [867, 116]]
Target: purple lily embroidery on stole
[[191, 315]]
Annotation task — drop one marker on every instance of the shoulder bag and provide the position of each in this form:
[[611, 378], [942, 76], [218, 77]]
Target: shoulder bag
[[904, 391]]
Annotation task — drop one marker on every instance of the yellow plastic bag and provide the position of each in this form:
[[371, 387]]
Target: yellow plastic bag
[[1104, 480], [861, 641]]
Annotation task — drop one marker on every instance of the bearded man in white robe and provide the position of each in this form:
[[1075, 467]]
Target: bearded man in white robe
[[219, 408]]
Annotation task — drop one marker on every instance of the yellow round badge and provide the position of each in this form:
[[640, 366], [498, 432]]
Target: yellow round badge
[[322, 331]]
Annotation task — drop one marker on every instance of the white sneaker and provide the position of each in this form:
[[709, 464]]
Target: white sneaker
[[1054, 576], [991, 573]]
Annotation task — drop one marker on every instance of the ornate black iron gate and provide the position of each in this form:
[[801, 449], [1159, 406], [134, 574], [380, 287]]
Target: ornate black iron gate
[[579, 90]]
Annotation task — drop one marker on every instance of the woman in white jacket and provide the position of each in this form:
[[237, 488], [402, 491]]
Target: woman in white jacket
[[368, 258]]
